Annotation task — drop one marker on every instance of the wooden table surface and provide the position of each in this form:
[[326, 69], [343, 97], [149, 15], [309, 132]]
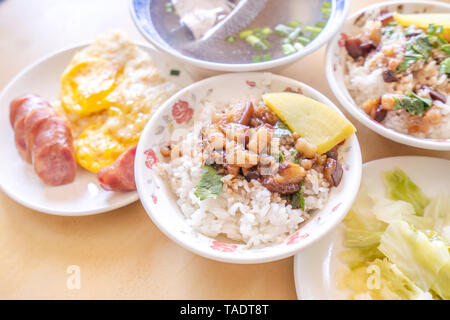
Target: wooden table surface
[[122, 254]]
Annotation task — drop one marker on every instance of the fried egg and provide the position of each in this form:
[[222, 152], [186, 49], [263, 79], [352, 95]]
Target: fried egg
[[108, 93]]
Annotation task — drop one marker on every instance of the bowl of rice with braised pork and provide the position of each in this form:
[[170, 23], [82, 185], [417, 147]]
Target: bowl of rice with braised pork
[[247, 168], [390, 68]]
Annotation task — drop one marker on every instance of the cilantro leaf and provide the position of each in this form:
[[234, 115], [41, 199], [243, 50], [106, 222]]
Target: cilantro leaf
[[418, 48], [422, 46], [210, 184], [434, 30], [297, 199], [445, 66], [436, 38], [446, 48], [295, 156], [408, 61], [413, 104]]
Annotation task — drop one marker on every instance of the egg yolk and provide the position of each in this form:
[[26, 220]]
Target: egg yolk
[[85, 90], [96, 149], [85, 86]]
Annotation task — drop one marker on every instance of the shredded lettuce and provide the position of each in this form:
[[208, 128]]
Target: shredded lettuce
[[438, 211], [417, 255], [388, 211], [362, 231], [405, 238], [401, 187], [381, 279], [441, 286]]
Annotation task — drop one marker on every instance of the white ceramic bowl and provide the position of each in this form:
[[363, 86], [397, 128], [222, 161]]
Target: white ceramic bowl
[[335, 72], [160, 202], [140, 12]]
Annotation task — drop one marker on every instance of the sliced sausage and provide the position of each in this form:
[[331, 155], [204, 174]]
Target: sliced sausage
[[120, 175], [16, 105], [53, 154], [32, 123], [43, 139], [19, 109], [21, 143]]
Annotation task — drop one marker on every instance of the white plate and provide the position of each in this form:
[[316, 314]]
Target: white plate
[[18, 179], [315, 267], [179, 112], [334, 69]]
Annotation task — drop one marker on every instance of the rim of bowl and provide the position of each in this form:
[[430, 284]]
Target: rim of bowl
[[269, 255], [352, 107], [334, 24]]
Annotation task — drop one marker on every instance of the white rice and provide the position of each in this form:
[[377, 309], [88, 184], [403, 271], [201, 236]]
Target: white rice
[[245, 211]]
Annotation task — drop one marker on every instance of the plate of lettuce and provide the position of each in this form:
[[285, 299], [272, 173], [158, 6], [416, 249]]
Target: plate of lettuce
[[394, 244]]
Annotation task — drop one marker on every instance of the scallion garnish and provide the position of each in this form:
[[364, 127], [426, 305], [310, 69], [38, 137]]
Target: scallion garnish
[[298, 46], [245, 33], [283, 30], [169, 7], [312, 29], [320, 24], [326, 9], [303, 40], [267, 57], [297, 200], [288, 48], [256, 59], [230, 39], [266, 31], [294, 23], [294, 34]]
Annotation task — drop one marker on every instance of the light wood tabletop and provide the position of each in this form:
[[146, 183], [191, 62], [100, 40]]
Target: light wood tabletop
[[122, 254]]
